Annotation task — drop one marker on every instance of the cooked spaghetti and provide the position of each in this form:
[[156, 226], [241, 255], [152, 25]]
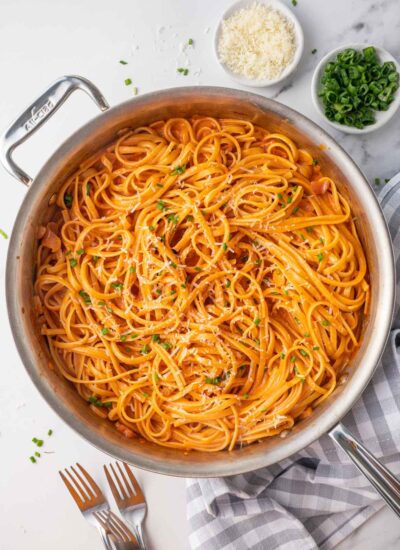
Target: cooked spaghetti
[[201, 283]]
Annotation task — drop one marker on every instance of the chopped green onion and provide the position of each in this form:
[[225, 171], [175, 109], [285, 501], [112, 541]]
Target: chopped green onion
[[68, 200], [325, 323], [166, 345], [85, 296], [145, 350], [128, 81], [314, 51], [224, 247], [104, 331], [50, 432], [228, 283], [190, 42], [245, 396], [32, 459], [161, 205], [257, 321], [320, 257], [293, 359], [304, 353], [88, 187], [73, 262], [183, 70], [123, 62], [155, 338], [101, 303], [315, 348], [118, 286], [122, 338], [214, 381], [3, 234], [283, 355], [132, 269], [80, 252], [37, 454]]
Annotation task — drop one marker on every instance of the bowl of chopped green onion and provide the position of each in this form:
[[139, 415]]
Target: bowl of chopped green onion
[[356, 88]]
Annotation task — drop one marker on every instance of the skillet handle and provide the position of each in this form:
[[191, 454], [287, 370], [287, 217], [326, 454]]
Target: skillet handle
[[37, 113], [387, 485]]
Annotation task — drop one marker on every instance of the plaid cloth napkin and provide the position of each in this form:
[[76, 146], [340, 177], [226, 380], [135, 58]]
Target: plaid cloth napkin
[[314, 499]]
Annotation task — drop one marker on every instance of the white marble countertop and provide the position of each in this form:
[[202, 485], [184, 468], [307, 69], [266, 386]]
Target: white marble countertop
[[41, 40]]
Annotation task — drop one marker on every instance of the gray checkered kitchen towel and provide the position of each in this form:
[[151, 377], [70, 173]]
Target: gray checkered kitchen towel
[[317, 497]]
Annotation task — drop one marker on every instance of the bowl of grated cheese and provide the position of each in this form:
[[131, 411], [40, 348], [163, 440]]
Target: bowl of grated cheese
[[259, 43]]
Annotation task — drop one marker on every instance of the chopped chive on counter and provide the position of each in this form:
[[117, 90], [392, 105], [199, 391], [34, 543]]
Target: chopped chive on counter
[[190, 42], [377, 181], [32, 459], [135, 90], [38, 454], [314, 51], [123, 62], [50, 433], [128, 81], [294, 3], [3, 234], [104, 331], [183, 70]]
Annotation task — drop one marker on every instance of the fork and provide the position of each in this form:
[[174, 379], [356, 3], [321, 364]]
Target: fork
[[94, 507], [129, 497]]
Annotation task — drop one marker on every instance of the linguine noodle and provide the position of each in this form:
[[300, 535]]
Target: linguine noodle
[[202, 283]]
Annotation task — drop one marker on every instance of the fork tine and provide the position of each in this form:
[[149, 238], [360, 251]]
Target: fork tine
[[112, 485], [124, 490], [112, 523], [72, 491], [95, 488], [123, 527], [89, 489], [134, 482], [128, 486]]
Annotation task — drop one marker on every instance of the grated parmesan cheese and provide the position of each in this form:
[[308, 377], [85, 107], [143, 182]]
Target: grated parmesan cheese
[[257, 42]]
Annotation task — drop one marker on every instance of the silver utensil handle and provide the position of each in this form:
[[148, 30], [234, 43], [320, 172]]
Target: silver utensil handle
[[387, 485], [37, 113], [104, 537]]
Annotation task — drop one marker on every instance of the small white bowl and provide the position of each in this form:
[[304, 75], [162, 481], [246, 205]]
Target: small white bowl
[[381, 117], [276, 4]]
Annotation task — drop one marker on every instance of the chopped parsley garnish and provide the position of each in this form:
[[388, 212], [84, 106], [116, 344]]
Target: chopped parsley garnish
[[128, 81], [258, 261], [214, 381], [3, 234], [183, 285], [377, 181], [228, 283], [156, 338], [122, 338], [224, 247], [304, 353], [320, 257], [179, 170], [133, 336], [94, 400], [295, 210], [145, 350], [285, 292], [109, 309], [314, 51], [283, 355], [85, 296], [132, 269], [104, 331], [172, 292], [316, 348], [80, 252], [32, 459], [95, 259], [293, 359], [257, 321], [173, 218], [190, 42], [325, 323], [50, 432], [68, 200], [161, 206], [166, 345], [123, 62], [151, 228], [280, 196], [158, 291], [119, 286], [37, 454], [306, 334], [73, 262], [189, 218]]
